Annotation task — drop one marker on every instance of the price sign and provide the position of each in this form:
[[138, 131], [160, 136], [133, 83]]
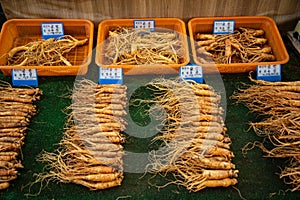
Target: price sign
[[191, 72], [110, 75], [52, 30], [24, 77], [144, 24], [268, 72], [223, 26]]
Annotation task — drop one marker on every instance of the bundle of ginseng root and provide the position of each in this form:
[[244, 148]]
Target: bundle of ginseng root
[[128, 46], [279, 102], [50, 52], [91, 150], [245, 45], [194, 146], [16, 109]]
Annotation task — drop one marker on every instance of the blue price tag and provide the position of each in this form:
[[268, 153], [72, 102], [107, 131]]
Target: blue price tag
[[268, 72], [110, 75], [223, 26], [52, 30], [24, 77], [144, 24], [191, 72]]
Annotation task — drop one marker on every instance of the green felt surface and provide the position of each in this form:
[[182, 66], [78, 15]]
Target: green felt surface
[[258, 176]]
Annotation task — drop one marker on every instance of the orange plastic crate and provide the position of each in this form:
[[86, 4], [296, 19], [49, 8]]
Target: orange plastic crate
[[172, 24], [16, 32], [205, 25]]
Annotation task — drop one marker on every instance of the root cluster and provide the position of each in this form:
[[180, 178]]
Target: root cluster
[[126, 46], [50, 52], [279, 102], [195, 148], [91, 150], [245, 45], [16, 109]]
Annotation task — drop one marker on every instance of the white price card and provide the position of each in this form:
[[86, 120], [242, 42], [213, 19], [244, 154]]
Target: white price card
[[223, 26], [144, 24], [192, 72], [52, 30], [269, 72], [24, 77], [110, 75]]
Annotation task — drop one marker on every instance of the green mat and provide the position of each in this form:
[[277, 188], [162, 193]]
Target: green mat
[[258, 176]]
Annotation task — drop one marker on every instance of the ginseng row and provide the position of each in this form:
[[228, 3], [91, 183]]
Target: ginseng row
[[279, 103], [16, 109], [195, 147], [91, 150]]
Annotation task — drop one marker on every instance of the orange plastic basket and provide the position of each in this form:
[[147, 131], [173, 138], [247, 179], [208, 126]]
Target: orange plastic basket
[[162, 24], [17, 32], [205, 25]]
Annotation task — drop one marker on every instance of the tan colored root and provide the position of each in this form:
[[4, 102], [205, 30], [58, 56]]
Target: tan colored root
[[217, 183], [220, 174], [99, 185], [106, 177], [8, 172], [4, 185], [10, 165], [94, 169]]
